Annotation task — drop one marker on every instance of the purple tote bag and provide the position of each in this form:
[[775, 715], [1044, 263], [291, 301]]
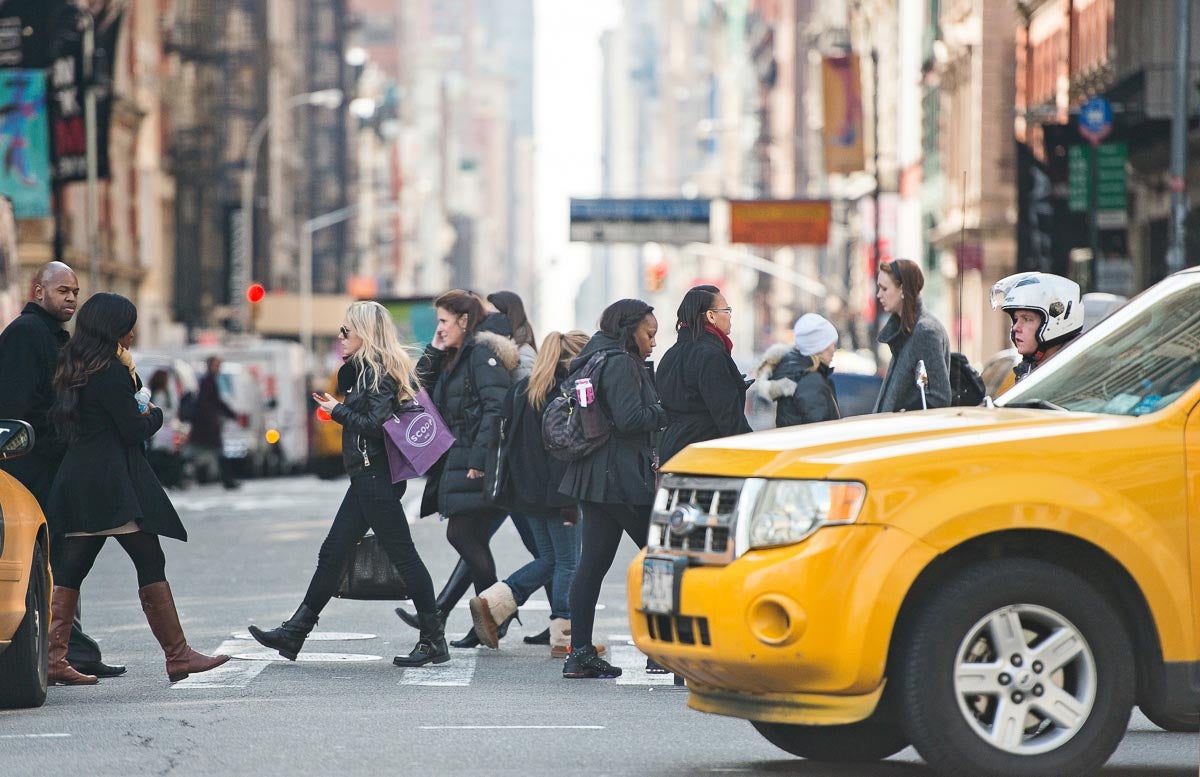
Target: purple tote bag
[[415, 438]]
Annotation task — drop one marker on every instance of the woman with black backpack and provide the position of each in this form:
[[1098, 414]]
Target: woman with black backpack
[[615, 483]]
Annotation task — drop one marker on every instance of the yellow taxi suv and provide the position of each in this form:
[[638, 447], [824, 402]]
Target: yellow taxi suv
[[24, 581], [997, 586]]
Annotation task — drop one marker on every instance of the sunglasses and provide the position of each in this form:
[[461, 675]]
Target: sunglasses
[[344, 331]]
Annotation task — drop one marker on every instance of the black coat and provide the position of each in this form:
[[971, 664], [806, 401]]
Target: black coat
[[362, 414], [620, 471], [533, 474], [470, 398], [29, 348], [105, 480], [702, 390], [209, 413], [815, 397]]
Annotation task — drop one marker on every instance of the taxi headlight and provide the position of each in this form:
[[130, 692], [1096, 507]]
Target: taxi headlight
[[788, 511]]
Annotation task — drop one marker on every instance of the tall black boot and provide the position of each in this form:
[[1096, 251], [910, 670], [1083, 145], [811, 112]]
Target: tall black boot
[[289, 637], [431, 647], [456, 586]]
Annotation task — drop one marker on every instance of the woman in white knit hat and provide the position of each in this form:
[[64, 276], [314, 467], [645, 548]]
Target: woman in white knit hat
[[797, 377]]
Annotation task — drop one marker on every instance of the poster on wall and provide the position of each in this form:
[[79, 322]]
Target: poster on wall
[[843, 131], [24, 142]]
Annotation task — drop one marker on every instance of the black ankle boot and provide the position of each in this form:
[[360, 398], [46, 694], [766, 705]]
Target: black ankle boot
[[289, 637], [502, 629], [457, 585], [431, 647], [411, 618]]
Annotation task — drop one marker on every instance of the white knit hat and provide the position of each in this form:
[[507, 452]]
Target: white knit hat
[[813, 334]]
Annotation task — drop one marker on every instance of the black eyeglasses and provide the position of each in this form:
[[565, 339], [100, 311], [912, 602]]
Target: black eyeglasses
[[344, 331]]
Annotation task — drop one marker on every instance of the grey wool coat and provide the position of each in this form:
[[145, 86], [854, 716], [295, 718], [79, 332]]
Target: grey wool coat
[[929, 342]]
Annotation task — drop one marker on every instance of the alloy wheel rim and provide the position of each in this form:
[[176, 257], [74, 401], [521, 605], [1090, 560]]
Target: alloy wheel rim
[[1025, 679]]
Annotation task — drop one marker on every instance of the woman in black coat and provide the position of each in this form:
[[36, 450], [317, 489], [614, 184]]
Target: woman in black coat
[[377, 380], [614, 484], [531, 490], [467, 374], [702, 390], [106, 487]]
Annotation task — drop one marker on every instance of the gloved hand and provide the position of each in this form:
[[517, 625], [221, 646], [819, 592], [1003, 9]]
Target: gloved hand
[[777, 389]]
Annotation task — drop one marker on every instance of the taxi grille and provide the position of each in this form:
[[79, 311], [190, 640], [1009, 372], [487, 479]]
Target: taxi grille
[[706, 512], [678, 629]]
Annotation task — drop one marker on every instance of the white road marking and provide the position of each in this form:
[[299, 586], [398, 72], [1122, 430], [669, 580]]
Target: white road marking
[[507, 728], [633, 667], [457, 672], [268, 655], [231, 674], [33, 736], [317, 636]]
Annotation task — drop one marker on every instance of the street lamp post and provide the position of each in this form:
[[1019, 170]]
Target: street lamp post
[[243, 264]]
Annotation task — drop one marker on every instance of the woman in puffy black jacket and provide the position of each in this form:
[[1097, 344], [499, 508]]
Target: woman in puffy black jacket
[[798, 378], [614, 484], [532, 490], [702, 390], [378, 379], [467, 373]]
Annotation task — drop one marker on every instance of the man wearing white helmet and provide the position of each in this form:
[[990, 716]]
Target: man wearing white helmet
[[1046, 314]]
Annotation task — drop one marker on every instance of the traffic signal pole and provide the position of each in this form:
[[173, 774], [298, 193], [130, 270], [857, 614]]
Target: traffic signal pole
[[1179, 121]]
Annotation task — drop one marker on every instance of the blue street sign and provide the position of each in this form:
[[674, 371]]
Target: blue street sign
[[611, 209], [1095, 120], [640, 220]]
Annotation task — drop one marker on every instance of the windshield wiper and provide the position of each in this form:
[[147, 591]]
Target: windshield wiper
[[1041, 404]]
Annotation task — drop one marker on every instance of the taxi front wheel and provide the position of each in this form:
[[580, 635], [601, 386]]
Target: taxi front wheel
[[23, 666], [869, 740], [1016, 668]]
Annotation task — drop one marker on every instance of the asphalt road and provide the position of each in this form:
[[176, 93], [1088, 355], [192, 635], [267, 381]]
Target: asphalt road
[[344, 709]]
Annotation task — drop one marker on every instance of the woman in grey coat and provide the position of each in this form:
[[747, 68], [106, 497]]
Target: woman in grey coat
[[913, 335]]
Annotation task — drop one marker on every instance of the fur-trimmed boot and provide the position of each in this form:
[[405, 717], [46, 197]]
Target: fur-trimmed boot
[[159, 606], [290, 636], [560, 639], [62, 615], [492, 609]]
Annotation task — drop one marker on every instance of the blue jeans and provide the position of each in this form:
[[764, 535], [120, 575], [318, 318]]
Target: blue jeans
[[558, 553]]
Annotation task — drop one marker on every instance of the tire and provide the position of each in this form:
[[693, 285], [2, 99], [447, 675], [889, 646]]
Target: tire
[[23, 666], [1182, 722], [873, 739], [983, 617]]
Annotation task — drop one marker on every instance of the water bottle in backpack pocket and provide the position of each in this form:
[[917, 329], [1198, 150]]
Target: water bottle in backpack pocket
[[573, 424]]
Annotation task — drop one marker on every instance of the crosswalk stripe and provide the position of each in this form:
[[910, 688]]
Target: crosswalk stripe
[[231, 674], [633, 667], [458, 672]]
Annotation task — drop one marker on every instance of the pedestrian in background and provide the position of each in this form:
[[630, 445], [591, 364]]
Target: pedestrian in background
[[614, 484], [467, 373], [510, 304], [29, 351], [913, 335], [701, 387], [533, 493], [798, 377], [209, 413], [105, 486], [377, 379]]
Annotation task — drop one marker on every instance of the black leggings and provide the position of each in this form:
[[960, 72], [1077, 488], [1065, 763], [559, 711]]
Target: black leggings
[[77, 555], [470, 534], [600, 532], [371, 502]]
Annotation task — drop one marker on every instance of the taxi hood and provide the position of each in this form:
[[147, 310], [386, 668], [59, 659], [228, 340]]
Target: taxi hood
[[819, 450]]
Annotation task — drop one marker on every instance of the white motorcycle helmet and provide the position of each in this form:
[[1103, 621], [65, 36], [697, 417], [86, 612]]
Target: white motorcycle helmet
[[1054, 297]]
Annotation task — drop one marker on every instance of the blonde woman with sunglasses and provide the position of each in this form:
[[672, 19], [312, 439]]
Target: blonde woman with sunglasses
[[377, 378]]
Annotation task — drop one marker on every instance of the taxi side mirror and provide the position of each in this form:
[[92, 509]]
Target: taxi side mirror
[[16, 439]]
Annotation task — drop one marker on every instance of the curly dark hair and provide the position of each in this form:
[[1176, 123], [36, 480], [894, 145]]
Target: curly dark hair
[[621, 321], [102, 321]]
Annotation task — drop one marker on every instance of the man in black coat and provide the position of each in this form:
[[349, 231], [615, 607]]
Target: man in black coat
[[29, 349], [211, 411]]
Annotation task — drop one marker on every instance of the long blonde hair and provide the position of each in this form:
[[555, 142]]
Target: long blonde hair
[[557, 350], [381, 349]]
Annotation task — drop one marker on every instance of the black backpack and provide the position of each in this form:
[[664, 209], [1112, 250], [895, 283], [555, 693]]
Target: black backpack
[[569, 430], [966, 387]]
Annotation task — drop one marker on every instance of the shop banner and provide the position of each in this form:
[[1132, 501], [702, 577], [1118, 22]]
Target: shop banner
[[24, 142], [843, 131]]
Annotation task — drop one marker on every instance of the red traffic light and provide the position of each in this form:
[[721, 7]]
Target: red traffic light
[[255, 292]]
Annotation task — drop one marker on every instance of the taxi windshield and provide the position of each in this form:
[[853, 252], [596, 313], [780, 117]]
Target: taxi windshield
[[1131, 365]]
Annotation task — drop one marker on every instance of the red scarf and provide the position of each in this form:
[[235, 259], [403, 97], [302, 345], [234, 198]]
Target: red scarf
[[724, 338]]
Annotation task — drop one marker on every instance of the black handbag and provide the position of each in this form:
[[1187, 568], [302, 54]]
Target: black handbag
[[495, 472], [369, 574]]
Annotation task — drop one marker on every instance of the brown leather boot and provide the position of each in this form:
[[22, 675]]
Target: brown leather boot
[[159, 606], [62, 615]]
